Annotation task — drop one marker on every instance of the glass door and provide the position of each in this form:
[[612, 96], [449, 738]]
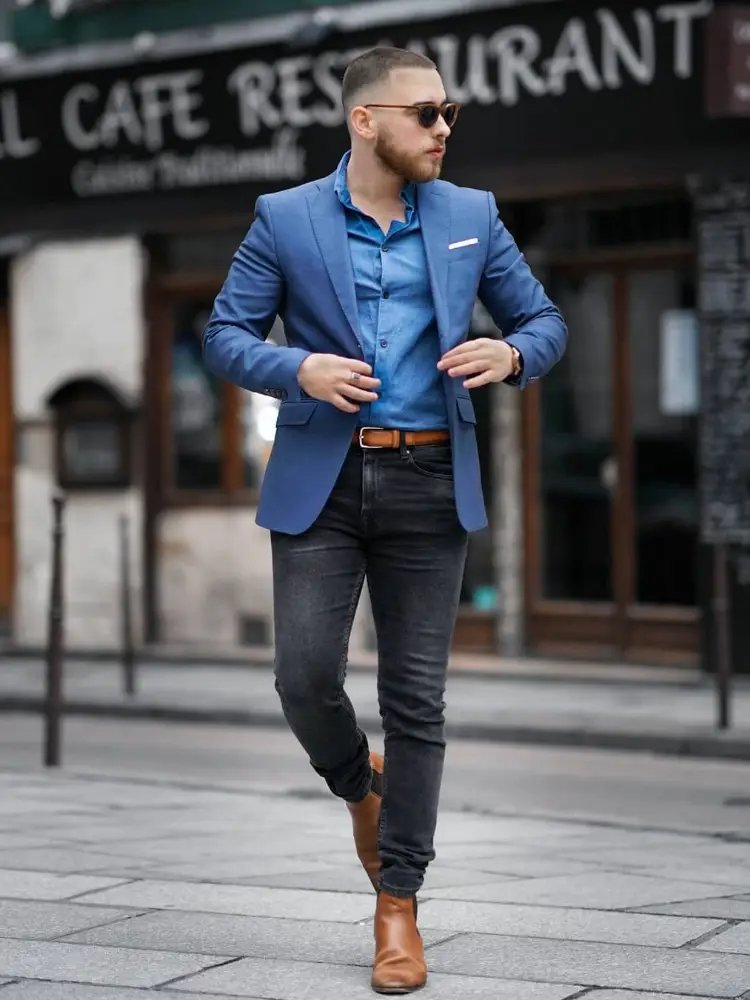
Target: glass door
[[612, 518], [577, 449]]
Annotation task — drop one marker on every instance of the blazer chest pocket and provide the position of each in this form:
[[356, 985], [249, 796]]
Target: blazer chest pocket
[[465, 272]]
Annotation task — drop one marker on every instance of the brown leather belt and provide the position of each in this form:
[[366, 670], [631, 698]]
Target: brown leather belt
[[387, 437]]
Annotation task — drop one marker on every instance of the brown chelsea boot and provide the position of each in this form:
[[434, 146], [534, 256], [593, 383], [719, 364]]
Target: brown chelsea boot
[[366, 821], [399, 965]]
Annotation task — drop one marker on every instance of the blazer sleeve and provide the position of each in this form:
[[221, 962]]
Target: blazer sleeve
[[234, 341], [518, 304]]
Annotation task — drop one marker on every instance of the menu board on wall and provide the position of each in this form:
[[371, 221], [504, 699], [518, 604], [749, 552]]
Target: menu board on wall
[[723, 221]]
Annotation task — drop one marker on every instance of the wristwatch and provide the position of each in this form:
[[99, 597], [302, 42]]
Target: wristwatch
[[517, 361]]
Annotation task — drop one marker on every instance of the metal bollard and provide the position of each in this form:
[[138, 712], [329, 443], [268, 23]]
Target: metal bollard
[[126, 610], [723, 640], [55, 638]]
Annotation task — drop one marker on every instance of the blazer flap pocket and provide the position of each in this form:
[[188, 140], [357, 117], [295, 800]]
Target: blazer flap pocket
[[466, 409], [296, 412]]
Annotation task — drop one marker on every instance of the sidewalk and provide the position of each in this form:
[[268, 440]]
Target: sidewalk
[[673, 717], [121, 889]]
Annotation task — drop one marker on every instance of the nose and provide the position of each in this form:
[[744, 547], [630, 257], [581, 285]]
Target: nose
[[441, 128]]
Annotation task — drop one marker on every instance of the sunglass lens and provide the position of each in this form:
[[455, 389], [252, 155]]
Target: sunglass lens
[[428, 115], [450, 113]]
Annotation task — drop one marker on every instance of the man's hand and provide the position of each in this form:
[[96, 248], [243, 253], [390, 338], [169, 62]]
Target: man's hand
[[484, 359], [330, 378]]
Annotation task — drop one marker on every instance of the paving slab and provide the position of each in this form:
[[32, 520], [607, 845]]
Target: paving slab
[[43, 921], [239, 871], [728, 908], [32, 990], [734, 939], [352, 878], [611, 965], [172, 848], [717, 875], [309, 981], [66, 860], [603, 890], [637, 859], [533, 867], [40, 809], [94, 965], [8, 841], [249, 900], [627, 995], [17, 884], [563, 924], [249, 937]]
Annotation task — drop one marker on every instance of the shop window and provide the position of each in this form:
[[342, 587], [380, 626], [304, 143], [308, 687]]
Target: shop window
[[634, 219], [220, 436], [93, 436]]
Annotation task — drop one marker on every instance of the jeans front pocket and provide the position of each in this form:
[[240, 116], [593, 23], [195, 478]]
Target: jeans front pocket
[[433, 461]]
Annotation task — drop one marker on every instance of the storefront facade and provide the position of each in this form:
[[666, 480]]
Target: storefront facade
[[592, 128]]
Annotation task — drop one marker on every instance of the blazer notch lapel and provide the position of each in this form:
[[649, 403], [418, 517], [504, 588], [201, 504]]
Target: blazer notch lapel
[[435, 221], [329, 225]]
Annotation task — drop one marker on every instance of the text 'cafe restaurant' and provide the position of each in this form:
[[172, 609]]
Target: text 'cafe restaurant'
[[127, 179]]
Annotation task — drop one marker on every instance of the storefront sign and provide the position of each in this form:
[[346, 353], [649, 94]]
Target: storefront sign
[[561, 81], [728, 61]]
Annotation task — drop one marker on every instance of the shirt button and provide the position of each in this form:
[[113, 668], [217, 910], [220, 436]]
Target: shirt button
[[385, 295], [384, 249], [383, 343]]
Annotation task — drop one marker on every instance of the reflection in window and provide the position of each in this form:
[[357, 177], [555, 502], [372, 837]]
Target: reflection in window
[[258, 432], [196, 404], [578, 472], [221, 434], [92, 450], [666, 514]]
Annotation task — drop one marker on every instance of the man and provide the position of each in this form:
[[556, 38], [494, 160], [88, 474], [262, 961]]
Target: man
[[374, 472]]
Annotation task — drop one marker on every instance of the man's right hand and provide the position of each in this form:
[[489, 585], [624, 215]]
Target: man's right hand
[[329, 377]]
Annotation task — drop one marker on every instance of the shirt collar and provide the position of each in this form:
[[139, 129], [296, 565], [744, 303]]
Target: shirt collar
[[408, 191]]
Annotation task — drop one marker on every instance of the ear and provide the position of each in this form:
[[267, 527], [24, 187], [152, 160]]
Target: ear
[[361, 122]]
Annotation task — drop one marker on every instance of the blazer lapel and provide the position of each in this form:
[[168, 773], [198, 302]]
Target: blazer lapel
[[434, 218], [329, 225]]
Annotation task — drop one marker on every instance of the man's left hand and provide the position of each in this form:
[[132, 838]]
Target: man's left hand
[[484, 360]]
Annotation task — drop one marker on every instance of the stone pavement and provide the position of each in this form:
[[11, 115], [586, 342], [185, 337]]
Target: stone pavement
[[123, 889], [574, 709]]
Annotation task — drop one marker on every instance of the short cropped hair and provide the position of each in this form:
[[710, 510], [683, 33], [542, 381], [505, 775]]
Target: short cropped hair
[[376, 65]]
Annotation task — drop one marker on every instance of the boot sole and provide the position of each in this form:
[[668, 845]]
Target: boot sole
[[397, 990]]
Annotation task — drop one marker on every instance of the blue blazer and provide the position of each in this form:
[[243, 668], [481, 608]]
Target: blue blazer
[[295, 262]]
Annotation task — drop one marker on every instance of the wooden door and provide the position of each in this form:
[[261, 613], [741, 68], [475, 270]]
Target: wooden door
[[612, 526], [7, 568]]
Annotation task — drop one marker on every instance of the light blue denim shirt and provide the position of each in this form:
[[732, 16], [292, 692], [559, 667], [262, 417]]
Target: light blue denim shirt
[[396, 315]]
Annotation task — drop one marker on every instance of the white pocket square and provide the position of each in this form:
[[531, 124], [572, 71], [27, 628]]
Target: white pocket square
[[463, 243]]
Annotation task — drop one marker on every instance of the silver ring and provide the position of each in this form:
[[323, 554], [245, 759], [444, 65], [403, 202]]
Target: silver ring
[[356, 377]]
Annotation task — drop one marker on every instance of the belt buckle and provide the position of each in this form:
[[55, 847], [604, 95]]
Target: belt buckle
[[369, 447]]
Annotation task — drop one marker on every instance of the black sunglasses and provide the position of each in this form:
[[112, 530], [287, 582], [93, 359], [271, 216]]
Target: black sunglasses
[[428, 114]]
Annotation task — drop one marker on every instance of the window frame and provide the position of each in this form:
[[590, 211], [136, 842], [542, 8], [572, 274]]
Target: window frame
[[165, 294]]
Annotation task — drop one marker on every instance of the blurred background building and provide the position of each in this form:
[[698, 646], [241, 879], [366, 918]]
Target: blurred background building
[[134, 139]]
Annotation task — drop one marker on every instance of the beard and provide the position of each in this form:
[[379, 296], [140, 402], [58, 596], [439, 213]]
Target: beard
[[412, 167]]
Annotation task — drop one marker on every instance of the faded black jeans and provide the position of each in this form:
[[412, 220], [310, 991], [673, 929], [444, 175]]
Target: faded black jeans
[[391, 519]]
